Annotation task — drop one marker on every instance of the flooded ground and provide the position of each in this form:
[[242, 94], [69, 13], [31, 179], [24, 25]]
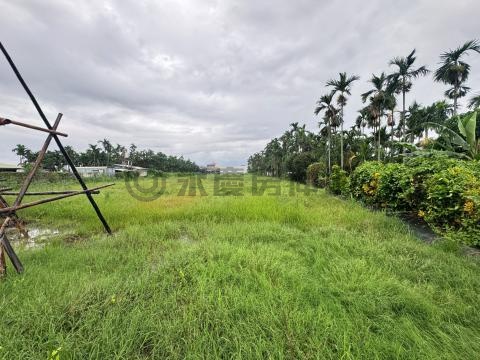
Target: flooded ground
[[37, 237]]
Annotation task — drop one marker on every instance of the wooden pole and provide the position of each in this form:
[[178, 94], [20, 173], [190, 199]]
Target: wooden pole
[[4, 121], [26, 183], [44, 201], [3, 265], [38, 193]]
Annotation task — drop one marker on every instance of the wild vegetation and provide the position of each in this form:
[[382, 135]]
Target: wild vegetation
[[399, 137], [288, 273], [442, 191], [396, 129], [299, 275]]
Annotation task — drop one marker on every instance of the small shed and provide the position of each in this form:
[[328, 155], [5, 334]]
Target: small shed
[[10, 168], [93, 171]]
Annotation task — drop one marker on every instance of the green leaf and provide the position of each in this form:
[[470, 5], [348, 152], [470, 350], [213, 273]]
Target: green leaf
[[467, 127]]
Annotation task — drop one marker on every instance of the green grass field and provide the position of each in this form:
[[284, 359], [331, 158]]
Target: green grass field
[[307, 276]]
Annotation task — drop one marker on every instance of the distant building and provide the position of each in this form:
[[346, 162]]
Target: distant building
[[119, 168], [10, 168], [217, 169], [212, 169], [242, 169], [93, 171]]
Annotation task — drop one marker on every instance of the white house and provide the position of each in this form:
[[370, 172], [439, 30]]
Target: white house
[[93, 171]]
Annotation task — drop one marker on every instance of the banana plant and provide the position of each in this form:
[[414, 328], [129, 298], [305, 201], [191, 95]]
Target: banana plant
[[465, 139]]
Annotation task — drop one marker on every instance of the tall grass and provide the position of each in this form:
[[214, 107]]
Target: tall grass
[[304, 276]]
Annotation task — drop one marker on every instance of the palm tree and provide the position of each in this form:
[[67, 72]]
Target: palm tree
[[361, 120], [273, 152], [454, 72], [95, 152], [342, 86], [21, 151], [378, 101], [403, 77], [325, 104], [390, 105], [107, 147], [474, 102], [293, 138]]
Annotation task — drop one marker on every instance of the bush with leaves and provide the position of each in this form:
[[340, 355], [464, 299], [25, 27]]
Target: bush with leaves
[[395, 181], [452, 204], [382, 185], [443, 191], [316, 174], [297, 165], [338, 183], [421, 168], [364, 182]]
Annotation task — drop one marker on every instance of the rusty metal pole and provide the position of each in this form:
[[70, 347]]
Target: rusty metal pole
[[59, 144]]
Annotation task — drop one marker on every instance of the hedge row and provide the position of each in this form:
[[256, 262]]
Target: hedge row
[[443, 191]]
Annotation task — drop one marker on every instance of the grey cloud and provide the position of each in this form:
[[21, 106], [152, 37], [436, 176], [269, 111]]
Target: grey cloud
[[211, 80]]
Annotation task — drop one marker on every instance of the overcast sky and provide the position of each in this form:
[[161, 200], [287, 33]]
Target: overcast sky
[[210, 80]]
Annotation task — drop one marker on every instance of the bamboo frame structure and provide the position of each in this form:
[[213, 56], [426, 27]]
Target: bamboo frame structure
[[9, 211]]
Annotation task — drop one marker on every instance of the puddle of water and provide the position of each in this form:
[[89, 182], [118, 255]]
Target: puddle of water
[[38, 237]]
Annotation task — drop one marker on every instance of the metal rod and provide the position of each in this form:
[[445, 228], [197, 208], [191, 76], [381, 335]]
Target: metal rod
[[55, 198], [59, 144], [5, 189], [38, 193], [4, 121]]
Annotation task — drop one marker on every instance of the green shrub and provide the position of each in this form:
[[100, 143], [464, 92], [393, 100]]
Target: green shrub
[[452, 204], [394, 182], [338, 183], [445, 192], [364, 182], [421, 169], [297, 165], [316, 174]]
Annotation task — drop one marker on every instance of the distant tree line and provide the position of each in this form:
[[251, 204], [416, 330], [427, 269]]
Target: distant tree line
[[395, 128], [104, 153]]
